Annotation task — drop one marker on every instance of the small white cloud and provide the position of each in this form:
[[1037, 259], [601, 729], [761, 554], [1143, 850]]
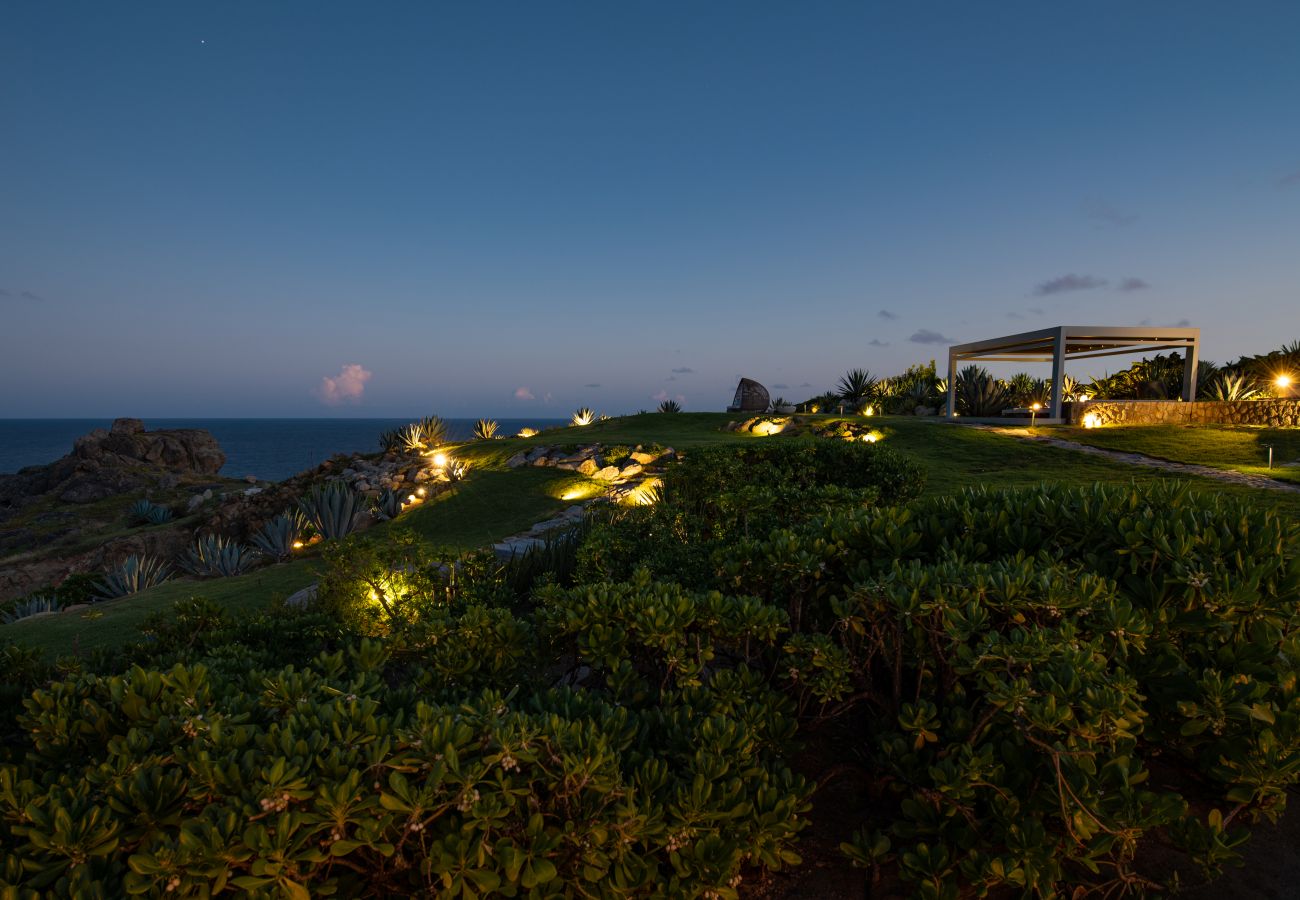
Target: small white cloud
[[346, 387], [522, 393], [660, 397]]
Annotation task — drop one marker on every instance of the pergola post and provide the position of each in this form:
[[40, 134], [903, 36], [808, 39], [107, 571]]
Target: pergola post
[[1058, 371], [1190, 366], [952, 384]]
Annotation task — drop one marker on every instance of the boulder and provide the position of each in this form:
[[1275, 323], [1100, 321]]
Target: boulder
[[609, 473], [643, 458], [519, 459], [588, 467]]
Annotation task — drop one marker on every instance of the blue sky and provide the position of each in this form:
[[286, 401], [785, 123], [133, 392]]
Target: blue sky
[[513, 209]]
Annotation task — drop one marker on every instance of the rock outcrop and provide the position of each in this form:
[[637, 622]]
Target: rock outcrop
[[121, 460]]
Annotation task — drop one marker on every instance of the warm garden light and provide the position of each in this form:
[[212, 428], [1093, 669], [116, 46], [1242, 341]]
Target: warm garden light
[[440, 460], [1283, 381], [1092, 420], [298, 545]]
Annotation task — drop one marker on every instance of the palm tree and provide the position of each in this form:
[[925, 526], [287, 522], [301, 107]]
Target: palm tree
[[670, 406], [857, 386]]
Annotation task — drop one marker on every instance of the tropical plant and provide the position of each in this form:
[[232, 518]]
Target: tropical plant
[[143, 512], [980, 394], [212, 556], [391, 441], [333, 509], [1021, 386], [410, 438], [32, 606], [527, 432], [388, 506], [456, 469], [584, 416], [276, 538], [434, 430], [485, 429], [857, 386], [135, 574], [1230, 387], [670, 406]]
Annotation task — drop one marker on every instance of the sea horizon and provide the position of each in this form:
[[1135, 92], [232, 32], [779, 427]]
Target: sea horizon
[[269, 448]]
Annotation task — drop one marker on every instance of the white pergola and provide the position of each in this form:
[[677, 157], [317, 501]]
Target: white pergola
[[1070, 342]]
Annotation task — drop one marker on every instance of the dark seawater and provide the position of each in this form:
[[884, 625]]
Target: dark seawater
[[271, 449]]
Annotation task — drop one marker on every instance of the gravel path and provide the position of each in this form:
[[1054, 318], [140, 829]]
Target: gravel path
[[1151, 462]]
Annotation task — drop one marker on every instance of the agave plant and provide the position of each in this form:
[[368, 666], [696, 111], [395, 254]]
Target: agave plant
[[527, 432], [980, 394], [32, 606], [411, 438], [134, 575], [143, 512], [1022, 387], [456, 469], [921, 393], [389, 504], [215, 557], [485, 429], [434, 430], [582, 417], [670, 406], [275, 539], [390, 441], [334, 510], [1229, 386], [856, 386]]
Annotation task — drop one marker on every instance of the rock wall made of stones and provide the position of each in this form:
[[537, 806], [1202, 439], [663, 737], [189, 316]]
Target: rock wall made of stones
[[1272, 413]]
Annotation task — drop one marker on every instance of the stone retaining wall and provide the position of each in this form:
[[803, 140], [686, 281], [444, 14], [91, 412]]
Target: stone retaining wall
[[1274, 413]]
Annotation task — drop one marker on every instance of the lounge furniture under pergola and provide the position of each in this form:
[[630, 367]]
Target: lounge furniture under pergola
[[1071, 342]]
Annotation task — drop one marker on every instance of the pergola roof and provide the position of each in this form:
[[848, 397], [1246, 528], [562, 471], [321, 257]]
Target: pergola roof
[[1081, 342], [1068, 342]]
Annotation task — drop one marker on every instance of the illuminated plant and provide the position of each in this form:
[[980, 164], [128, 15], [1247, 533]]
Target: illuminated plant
[[134, 575], [527, 432], [980, 394], [215, 557], [334, 510], [276, 539], [856, 386], [32, 606], [584, 416], [1231, 387], [434, 430], [411, 438], [670, 406], [456, 469], [485, 429]]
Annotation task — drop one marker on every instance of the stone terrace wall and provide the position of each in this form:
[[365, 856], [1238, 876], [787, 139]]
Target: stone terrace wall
[[1274, 413]]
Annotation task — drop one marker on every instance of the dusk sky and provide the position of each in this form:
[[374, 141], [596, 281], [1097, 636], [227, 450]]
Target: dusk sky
[[513, 209]]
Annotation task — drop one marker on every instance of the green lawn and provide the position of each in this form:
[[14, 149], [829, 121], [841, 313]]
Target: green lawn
[[495, 501], [1243, 448], [116, 621]]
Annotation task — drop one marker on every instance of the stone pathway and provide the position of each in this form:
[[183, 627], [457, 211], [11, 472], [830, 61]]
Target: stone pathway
[[1150, 462]]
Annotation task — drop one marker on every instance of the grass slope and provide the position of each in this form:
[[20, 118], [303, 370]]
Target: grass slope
[[1243, 448], [496, 501]]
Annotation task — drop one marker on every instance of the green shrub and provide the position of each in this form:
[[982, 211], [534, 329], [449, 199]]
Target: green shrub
[[1025, 655]]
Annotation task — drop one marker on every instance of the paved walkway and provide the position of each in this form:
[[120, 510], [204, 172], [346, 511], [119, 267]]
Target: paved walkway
[[1150, 462]]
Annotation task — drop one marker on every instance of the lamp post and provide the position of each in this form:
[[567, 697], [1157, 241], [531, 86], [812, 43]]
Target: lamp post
[[1033, 414]]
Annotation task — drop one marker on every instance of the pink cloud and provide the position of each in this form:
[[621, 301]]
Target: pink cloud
[[346, 387], [524, 394]]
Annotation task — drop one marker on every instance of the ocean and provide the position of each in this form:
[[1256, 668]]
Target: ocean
[[270, 449]]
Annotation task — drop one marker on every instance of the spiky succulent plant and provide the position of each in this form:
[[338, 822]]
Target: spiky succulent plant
[[390, 441], [275, 539], [670, 406], [32, 606], [144, 512], [135, 574], [1229, 386], [212, 556], [334, 509], [980, 394], [485, 429], [389, 504], [856, 386], [582, 417]]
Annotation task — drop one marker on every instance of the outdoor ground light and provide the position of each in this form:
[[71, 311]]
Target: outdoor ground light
[[1033, 413]]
